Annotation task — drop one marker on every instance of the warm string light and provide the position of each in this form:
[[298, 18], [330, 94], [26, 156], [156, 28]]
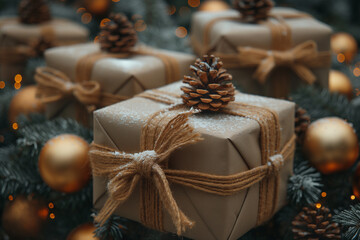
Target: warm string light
[[352, 197], [18, 78], [15, 126], [172, 10], [51, 205], [140, 25], [194, 3], [318, 205], [52, 216], [181, 32], [323, 194], [341, 58], [11, 197], [104, 21], [356, 72], [86, 18], [2, 84]]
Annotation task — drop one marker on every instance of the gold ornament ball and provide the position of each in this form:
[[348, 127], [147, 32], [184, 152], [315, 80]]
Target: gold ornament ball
[[345, 44], [214, 6], [83, 232], [25, 102], [23, 217], [64, 163], [331, 145], [97, 7], [340, 83]]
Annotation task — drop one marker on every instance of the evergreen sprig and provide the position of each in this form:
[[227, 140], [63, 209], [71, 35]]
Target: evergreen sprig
[[350, 221], [111, 229], [304, 187]]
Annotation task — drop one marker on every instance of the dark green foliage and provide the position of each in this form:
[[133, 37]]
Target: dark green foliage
[[350, 221], [304, 187]]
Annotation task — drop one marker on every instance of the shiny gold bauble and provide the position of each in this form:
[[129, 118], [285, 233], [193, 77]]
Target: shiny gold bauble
[[356, 182], [214, 6], [64, 163], [331, 145], [83, 232], [340, 83], [24, 102], [24, 217], [97, 7], [344, 43]]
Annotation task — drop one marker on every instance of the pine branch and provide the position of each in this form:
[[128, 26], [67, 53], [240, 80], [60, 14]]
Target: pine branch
[[327, 105], [112, 229], [350, 222], [304, 186]]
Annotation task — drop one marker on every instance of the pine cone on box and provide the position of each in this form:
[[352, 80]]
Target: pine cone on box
[[302, 122], [118, 35], [210, 88], [34, 11], [314, 223], [254, 10]]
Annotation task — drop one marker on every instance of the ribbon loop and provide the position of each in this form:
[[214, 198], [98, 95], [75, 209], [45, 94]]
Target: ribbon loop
[[300, 59], [54, 85]]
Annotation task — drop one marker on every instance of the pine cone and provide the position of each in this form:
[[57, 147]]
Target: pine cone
[[34, 11], [314, 223], [211, 88], [302, 122], [254, 10], [118, 35]]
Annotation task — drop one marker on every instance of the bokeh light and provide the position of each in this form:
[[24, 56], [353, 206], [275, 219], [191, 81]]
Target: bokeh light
[[18, 78], [172, 10], [86, 18], [341, 58], [140, 25], [194, 3], [318, 205], [356, 72], [104, 21], [17, 85], [181, 32], [15, 126], [2, 84]]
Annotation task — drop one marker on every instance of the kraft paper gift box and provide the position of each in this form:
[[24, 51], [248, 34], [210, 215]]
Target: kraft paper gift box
[[121, 76], [257, 54], [17, 40], [230, 145]]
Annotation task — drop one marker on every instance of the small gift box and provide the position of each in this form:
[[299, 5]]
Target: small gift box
[[158, 161], [94, 75], [30, 34], [271, 55]]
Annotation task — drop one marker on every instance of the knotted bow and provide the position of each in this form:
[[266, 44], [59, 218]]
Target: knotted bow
[[301, 59], [156, 147], [54, 85], [164, 132]]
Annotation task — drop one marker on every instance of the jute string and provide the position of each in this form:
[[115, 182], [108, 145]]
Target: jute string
[[301, 59], [24, 50], [54, 85], [165, 132]]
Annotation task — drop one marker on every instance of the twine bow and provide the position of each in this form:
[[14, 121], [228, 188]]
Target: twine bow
[[301, 59], [164, 132], [54, 85], [131, 168]]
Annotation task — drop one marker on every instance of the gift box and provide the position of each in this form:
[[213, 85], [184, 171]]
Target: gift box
[[82, 77], [19, 42], [271, 57], [232, 150]]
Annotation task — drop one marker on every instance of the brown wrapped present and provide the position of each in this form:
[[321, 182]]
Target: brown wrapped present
[[83, 75], [270, 57], [19, 41], [221, 173]]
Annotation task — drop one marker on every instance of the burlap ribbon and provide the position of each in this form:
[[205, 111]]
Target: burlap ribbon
[[165, 132], [301, 59], [54, 85], [24, 50]]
